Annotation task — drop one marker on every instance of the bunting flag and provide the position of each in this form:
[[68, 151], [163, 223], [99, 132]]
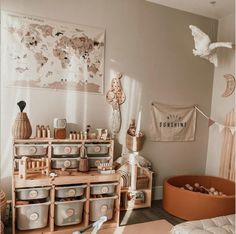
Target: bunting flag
[[210, 122], [220, 126], [232, 129]]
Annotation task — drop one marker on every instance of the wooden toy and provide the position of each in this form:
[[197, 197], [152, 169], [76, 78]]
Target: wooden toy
[[105, 168], [78, 135], [43, 132], [99, 135], [83, 164], [31, 165], [92, 136], [201, 189], [104, 134], [81, 136], [137, 197], [23, 168], [132, 129], [38, 132]]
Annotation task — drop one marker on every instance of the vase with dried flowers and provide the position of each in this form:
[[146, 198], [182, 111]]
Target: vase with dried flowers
[[22, 127]]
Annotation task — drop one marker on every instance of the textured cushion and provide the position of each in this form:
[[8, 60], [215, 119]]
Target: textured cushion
[[218, 225]]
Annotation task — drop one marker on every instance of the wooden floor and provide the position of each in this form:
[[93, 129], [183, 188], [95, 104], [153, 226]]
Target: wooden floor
[[156, 212]]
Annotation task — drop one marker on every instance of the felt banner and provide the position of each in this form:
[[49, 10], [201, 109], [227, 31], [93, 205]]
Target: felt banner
[[173, 123]]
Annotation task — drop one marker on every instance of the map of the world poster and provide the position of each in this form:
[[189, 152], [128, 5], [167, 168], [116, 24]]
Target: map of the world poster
[[42, 53]]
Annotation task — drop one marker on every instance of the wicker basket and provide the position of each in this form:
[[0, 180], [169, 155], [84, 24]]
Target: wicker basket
[[3, 203], [22, 127], [134, 143]]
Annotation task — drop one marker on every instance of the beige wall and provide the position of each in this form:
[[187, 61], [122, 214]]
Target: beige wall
[[152, 45], [221, 105]]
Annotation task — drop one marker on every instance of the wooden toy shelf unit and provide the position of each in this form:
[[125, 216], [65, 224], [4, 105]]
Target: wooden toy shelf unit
[[143, 186], [50, 195]]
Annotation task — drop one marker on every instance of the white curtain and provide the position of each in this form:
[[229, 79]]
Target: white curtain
[[227, 161]]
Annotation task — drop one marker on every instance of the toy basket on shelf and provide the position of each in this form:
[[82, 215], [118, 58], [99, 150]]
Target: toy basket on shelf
[[134, 143]]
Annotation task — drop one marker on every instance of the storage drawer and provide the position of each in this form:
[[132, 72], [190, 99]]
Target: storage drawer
[[97, 149], [65, 163], [67, 149], [101, 207], [70, 191], [69, 212], [32, 193], [30, 150], [103, 188], [95, 161], [32, 216]]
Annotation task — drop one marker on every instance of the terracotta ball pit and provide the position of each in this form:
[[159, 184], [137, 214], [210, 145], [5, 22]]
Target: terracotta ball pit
[[190, 205]]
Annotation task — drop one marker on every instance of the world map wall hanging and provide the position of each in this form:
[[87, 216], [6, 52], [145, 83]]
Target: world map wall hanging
[[42, 53]]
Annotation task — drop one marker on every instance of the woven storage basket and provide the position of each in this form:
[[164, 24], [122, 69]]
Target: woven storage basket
[[134, 143], [22, 127], [2, 227], [3, 203]]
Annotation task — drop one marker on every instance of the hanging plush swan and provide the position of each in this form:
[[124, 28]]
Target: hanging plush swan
[[203, 46]]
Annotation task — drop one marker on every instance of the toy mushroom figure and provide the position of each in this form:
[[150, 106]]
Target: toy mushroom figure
[[115, 96], [22, 127]]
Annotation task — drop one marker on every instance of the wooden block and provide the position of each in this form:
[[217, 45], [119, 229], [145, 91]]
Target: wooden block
[[23, 168]]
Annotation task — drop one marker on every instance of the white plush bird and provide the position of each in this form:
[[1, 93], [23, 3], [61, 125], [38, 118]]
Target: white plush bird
[[203, 46]]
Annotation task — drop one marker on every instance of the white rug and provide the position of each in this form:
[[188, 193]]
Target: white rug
[[154, 227]]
